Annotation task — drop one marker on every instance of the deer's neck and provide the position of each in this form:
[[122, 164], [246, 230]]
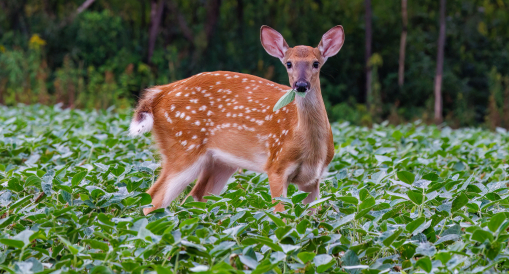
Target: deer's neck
[[313, 127]]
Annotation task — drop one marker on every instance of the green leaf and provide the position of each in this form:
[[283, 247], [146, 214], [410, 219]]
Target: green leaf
[[248, 261], [24, 236], [350, 259], [496, 220], [76, 179], [367, 203], [430, 177], [444, 257], [32, 181], [101, 269], [348, 199], [388, 241], [459, 202], [415, 196], [493, 249], [302, 225], [276, 220], [410, 227], [262, 240], [323, 262], [287, 247], [421, 227], [285, 100], [425, 264], [397, 135], [98, 245], [301, 94], [319, 201], [306, 256], [343, 221], [406, 177], [299, 197], [188, 222], [482, 235], [14, 185], [407, 251], [12, 243]]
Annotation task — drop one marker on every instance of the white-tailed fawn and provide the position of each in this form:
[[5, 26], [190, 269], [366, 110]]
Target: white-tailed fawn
[[213, 123]]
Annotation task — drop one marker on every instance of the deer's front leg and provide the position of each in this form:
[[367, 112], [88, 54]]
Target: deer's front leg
[[314, 192], [278, 187]]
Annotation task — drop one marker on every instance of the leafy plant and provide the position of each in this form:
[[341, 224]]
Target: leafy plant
[[410, 198]]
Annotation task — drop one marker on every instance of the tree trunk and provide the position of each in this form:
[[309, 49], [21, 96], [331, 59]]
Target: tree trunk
[[143, 8], [84, 6], [240, 18], [181, 21], [156, 13], [368, 34], [73, 15], [212, 16], [440, 65], [402, 44]]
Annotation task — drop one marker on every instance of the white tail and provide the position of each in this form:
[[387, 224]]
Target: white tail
[[213, 123]]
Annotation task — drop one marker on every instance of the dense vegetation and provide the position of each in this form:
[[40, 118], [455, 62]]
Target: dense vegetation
[[102, 56], [408, 198]]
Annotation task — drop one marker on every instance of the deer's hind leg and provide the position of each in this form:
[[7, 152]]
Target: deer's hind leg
[[314, 193], [212, 179], [177, 174]]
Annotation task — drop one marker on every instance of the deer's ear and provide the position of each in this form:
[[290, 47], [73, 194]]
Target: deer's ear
[[332, 41], [273, 42]]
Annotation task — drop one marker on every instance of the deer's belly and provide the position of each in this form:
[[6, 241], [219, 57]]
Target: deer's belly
[[254, 161]]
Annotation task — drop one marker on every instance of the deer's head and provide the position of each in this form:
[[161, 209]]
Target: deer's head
[[303, 63]]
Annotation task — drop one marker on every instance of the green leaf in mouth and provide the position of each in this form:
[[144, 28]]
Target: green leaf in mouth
[[288, 98], [301, 94]]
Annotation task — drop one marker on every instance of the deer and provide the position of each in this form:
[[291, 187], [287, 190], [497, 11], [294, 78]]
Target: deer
[[212, 124]]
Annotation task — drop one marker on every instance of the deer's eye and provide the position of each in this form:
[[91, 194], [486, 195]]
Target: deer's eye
[[316, 64], [289, 64]]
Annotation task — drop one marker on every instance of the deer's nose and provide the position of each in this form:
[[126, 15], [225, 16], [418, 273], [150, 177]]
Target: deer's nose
[[302, 86]]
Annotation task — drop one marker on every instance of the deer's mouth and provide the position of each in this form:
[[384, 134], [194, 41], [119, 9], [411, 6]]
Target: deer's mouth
[[301, 86]]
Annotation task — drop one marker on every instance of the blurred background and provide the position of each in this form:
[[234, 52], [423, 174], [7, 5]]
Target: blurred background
[[395, 65]]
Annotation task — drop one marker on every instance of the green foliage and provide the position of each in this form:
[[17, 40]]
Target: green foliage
[[411, 197], [100, 57]]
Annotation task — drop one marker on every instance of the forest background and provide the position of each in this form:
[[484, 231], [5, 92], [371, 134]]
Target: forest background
[[102, 53]]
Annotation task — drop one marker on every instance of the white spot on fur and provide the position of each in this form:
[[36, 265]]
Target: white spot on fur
[[168, 117]]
